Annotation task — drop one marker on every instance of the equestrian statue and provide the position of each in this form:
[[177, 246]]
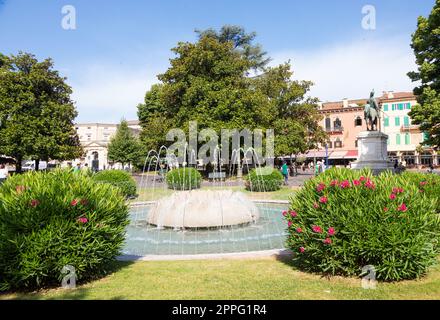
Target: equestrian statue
[[372, 113]]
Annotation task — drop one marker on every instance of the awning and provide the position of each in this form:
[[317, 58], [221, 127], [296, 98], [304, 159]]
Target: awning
[[317, 154], [351, 154], [337, 155]]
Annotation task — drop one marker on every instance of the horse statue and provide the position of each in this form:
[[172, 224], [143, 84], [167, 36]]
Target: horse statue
[[372, 113]]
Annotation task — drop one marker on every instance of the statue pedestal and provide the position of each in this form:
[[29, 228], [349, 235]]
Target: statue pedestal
[[372, 150]]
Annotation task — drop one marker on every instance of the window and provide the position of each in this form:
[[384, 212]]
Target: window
[[424, 136], [408, 106], [397, 121], [330, 144], [89, 128], [407, 139], [406, 121], [385, 107], [356, 143], [398, 139], [338, 143], [337, 124], [328, 124], [400, 106], [386, 122], [393, 107], [358, 122]]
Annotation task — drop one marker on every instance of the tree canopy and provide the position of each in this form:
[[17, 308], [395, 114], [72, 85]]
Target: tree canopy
[[426, 46], [208, 82], [36, 112]]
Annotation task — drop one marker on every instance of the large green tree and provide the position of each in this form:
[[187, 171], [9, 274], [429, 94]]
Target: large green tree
[[242, 41], [426, 46], [36, 112], [209, 82], [124, 147]]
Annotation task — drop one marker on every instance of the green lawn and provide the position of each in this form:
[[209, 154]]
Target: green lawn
[[149, 194], [262, 278]]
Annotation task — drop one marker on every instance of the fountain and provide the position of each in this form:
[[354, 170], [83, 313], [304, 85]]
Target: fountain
[[203, 209], [202, 221]]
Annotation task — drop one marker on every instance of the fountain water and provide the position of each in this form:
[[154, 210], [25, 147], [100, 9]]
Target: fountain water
[[203, 209], [215, 219]]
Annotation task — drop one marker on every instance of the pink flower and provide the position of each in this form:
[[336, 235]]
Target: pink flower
[[320, 187], [317, 229], [397, 190], [402, 208], [331, 231], [392, 196], [385, 209], [423, 183], [315, 205], [301, 249], [299, 230], [362, 178], [345, 184], [289, 224], [293, 214], [421, 190], [74, 202], [285, 213], [328, 241], [356, 182], [323, 200], [370, 185], [34, 203], [334, 183], [83, 220]]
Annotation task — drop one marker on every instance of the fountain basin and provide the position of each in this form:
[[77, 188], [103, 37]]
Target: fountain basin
[[203, 209]]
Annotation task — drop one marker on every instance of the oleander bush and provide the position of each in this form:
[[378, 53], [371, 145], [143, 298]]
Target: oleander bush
[[118, 178], [54, 219], [183, 179], [264, 179], [344, 220]]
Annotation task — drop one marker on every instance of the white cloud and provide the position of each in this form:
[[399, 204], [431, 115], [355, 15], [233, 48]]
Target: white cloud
[[351, 70], [105, 93]]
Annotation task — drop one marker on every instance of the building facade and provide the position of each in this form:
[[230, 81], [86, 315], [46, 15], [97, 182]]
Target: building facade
[[404, 138], [343, 121], [94, 138]]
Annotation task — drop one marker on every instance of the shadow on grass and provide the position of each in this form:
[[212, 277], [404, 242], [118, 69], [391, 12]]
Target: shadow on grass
[[82, 292]]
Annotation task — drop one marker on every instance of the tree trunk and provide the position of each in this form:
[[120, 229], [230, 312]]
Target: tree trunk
[[37, 164], [18, 165]]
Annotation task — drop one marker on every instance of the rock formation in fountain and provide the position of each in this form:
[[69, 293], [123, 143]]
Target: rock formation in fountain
[[203, 209]]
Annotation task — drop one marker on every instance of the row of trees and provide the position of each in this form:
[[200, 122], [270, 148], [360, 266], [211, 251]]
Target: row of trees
[[209, 81]]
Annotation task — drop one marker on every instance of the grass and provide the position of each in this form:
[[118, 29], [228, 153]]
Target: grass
[[262, 278], [149, 194]]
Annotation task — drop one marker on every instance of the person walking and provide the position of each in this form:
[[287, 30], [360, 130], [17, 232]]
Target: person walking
[[285, 172], [3, 173]]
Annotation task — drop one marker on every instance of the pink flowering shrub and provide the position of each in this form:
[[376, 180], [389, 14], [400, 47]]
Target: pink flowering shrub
[[49, 220], [349, 219]]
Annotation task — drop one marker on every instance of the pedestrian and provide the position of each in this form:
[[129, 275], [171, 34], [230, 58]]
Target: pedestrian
[[3, 173], [285, 172], [77, 169]]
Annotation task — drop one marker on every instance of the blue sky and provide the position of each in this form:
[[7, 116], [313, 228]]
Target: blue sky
[[119, 47]]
